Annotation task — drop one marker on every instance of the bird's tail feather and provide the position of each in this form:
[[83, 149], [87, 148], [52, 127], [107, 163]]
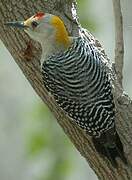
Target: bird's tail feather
[[109, 145]]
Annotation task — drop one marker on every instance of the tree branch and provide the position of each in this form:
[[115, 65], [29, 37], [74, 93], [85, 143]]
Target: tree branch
[[119, 41], [16, 42]]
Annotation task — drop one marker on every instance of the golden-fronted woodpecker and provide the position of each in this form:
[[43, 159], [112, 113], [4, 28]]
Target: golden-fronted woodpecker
[[74, 73]]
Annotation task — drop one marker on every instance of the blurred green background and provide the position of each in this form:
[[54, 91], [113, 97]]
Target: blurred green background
[[32, 145]]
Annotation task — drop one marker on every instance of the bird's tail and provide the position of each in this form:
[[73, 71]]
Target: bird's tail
[[109, 145]]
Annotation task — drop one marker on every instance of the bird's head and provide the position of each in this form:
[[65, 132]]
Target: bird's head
[[44, 27]]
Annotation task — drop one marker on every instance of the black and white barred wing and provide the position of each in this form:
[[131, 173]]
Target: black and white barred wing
[[79, 83]]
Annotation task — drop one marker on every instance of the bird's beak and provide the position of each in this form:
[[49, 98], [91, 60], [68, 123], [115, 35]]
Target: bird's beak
[[19, 24]]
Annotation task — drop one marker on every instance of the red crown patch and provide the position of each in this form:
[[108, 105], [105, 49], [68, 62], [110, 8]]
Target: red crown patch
[[39, 15]]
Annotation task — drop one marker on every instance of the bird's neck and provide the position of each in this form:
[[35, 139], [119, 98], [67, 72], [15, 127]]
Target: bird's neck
[[62, 38], [61, 34], [51, 47], [59, 43]]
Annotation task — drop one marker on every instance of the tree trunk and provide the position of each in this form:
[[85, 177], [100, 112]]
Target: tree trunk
[[27, 54]]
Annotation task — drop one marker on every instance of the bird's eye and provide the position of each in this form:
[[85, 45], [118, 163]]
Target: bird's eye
[[34, 24]]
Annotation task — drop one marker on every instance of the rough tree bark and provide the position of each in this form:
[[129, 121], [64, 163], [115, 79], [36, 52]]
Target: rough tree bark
[[27, 56]]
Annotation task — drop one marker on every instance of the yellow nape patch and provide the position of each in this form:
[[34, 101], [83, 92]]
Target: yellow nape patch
[[61, 32]]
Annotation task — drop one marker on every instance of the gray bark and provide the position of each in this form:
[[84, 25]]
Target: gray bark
[[27, 56]]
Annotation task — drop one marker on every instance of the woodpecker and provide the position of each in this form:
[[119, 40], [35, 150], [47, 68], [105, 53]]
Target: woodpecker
[[74, 73]]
